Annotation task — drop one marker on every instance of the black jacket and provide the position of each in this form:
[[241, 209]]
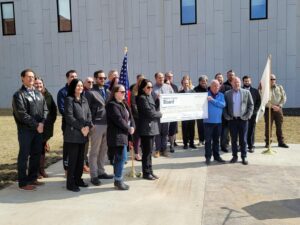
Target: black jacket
[[226, 86], [29, 112], [119, 121], [51, 117], [97, 105], [256, 100], [199, 89], [77, 115], [148, 116]]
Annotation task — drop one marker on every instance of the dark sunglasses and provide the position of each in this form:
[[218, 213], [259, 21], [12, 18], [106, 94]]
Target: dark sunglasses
[[90, 82], [273, 79], [102, 78], [149, 87]]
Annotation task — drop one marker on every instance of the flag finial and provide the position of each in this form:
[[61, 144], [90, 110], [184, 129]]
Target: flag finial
[[125, 49]]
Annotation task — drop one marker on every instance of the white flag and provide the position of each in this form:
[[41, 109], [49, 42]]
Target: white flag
[[264, 87]]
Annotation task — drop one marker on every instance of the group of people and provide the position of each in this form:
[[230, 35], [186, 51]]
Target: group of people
[[96, 112]]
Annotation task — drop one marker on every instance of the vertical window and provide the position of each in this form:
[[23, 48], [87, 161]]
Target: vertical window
[[188, 12], [8, 18], [258, 9], [64, 16]]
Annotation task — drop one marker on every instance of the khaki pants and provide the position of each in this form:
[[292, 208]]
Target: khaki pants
[[98, 152]]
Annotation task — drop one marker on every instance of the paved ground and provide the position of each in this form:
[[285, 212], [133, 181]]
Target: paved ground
[[267, 191]]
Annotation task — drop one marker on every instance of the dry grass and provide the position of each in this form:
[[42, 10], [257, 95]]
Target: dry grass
[[9, 149]]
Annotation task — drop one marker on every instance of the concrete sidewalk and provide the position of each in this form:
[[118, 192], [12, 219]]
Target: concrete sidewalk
[[267, 191]]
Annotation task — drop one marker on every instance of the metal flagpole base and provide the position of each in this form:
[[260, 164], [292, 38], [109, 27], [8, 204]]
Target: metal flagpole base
[[269, 151]]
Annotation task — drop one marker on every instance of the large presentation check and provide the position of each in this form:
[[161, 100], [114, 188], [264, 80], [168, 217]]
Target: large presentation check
[[183, 106]]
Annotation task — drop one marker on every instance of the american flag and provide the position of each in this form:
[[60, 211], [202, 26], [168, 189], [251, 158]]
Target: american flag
[[124, 75]]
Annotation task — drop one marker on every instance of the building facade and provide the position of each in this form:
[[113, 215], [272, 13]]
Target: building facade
[[223, 37]]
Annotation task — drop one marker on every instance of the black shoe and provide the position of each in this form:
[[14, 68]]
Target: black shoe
[[155, 176], [148, 177], [105, 176], [283, 145], [81, 184], [74, 189], [185, 147], [245, 161], [172, 150], [267, 146], [120, 185], [234, 159], [223, 149], [95, 181], [207, 161], [220, 160], [251, 150], [193, 146]]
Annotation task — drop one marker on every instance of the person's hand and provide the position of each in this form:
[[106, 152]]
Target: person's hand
[[40, 128], [85, 131], [131, 130], [275, 108], [47, 147], [209, 98]]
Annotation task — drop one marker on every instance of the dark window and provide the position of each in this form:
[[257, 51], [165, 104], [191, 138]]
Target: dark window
[[188, 12], [258, 9], [8, 18], [64, 16]]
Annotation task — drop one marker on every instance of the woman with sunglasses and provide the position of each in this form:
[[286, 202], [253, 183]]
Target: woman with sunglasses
[[120, 123], [147, 126]]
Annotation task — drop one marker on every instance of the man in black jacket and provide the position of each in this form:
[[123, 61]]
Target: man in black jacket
[[30, 111], [252, 121], [202, 87]]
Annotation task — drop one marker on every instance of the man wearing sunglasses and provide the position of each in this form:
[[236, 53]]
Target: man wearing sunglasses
[[278, 99], [97, 98]]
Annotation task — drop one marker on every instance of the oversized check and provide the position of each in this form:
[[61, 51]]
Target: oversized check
[[183, 106]]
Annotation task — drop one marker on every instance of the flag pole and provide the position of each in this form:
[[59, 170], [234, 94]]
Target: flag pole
[[269, 151]]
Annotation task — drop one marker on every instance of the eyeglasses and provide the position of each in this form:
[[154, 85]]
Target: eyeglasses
[[149, 87], [102, 78], [90, 82], [273, 79], [122, 92]]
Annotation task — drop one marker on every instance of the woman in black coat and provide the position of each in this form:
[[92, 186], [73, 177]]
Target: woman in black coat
[[120, 123], [147, 126], [78, 123]]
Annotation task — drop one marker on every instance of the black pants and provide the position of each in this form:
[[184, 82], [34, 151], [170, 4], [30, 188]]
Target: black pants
[[251, 132], [224, 134], [188, 132], [147, 147], [238, 131], [30, 143], [75, 163], [212, 137], [200, 128]]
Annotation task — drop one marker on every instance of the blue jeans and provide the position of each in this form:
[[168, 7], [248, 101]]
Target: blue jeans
[[212, 137], [120, 159], [31, 144]]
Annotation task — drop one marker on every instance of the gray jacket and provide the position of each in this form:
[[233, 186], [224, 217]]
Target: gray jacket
[[97, 106], [247, 105]]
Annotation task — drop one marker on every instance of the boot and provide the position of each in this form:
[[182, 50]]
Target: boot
[[42, 171], [120, 185]]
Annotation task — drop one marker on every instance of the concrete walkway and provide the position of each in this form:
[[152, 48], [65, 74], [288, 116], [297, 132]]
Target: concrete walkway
[[267, 191]]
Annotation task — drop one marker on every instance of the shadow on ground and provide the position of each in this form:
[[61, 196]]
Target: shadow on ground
[[279, 209]]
